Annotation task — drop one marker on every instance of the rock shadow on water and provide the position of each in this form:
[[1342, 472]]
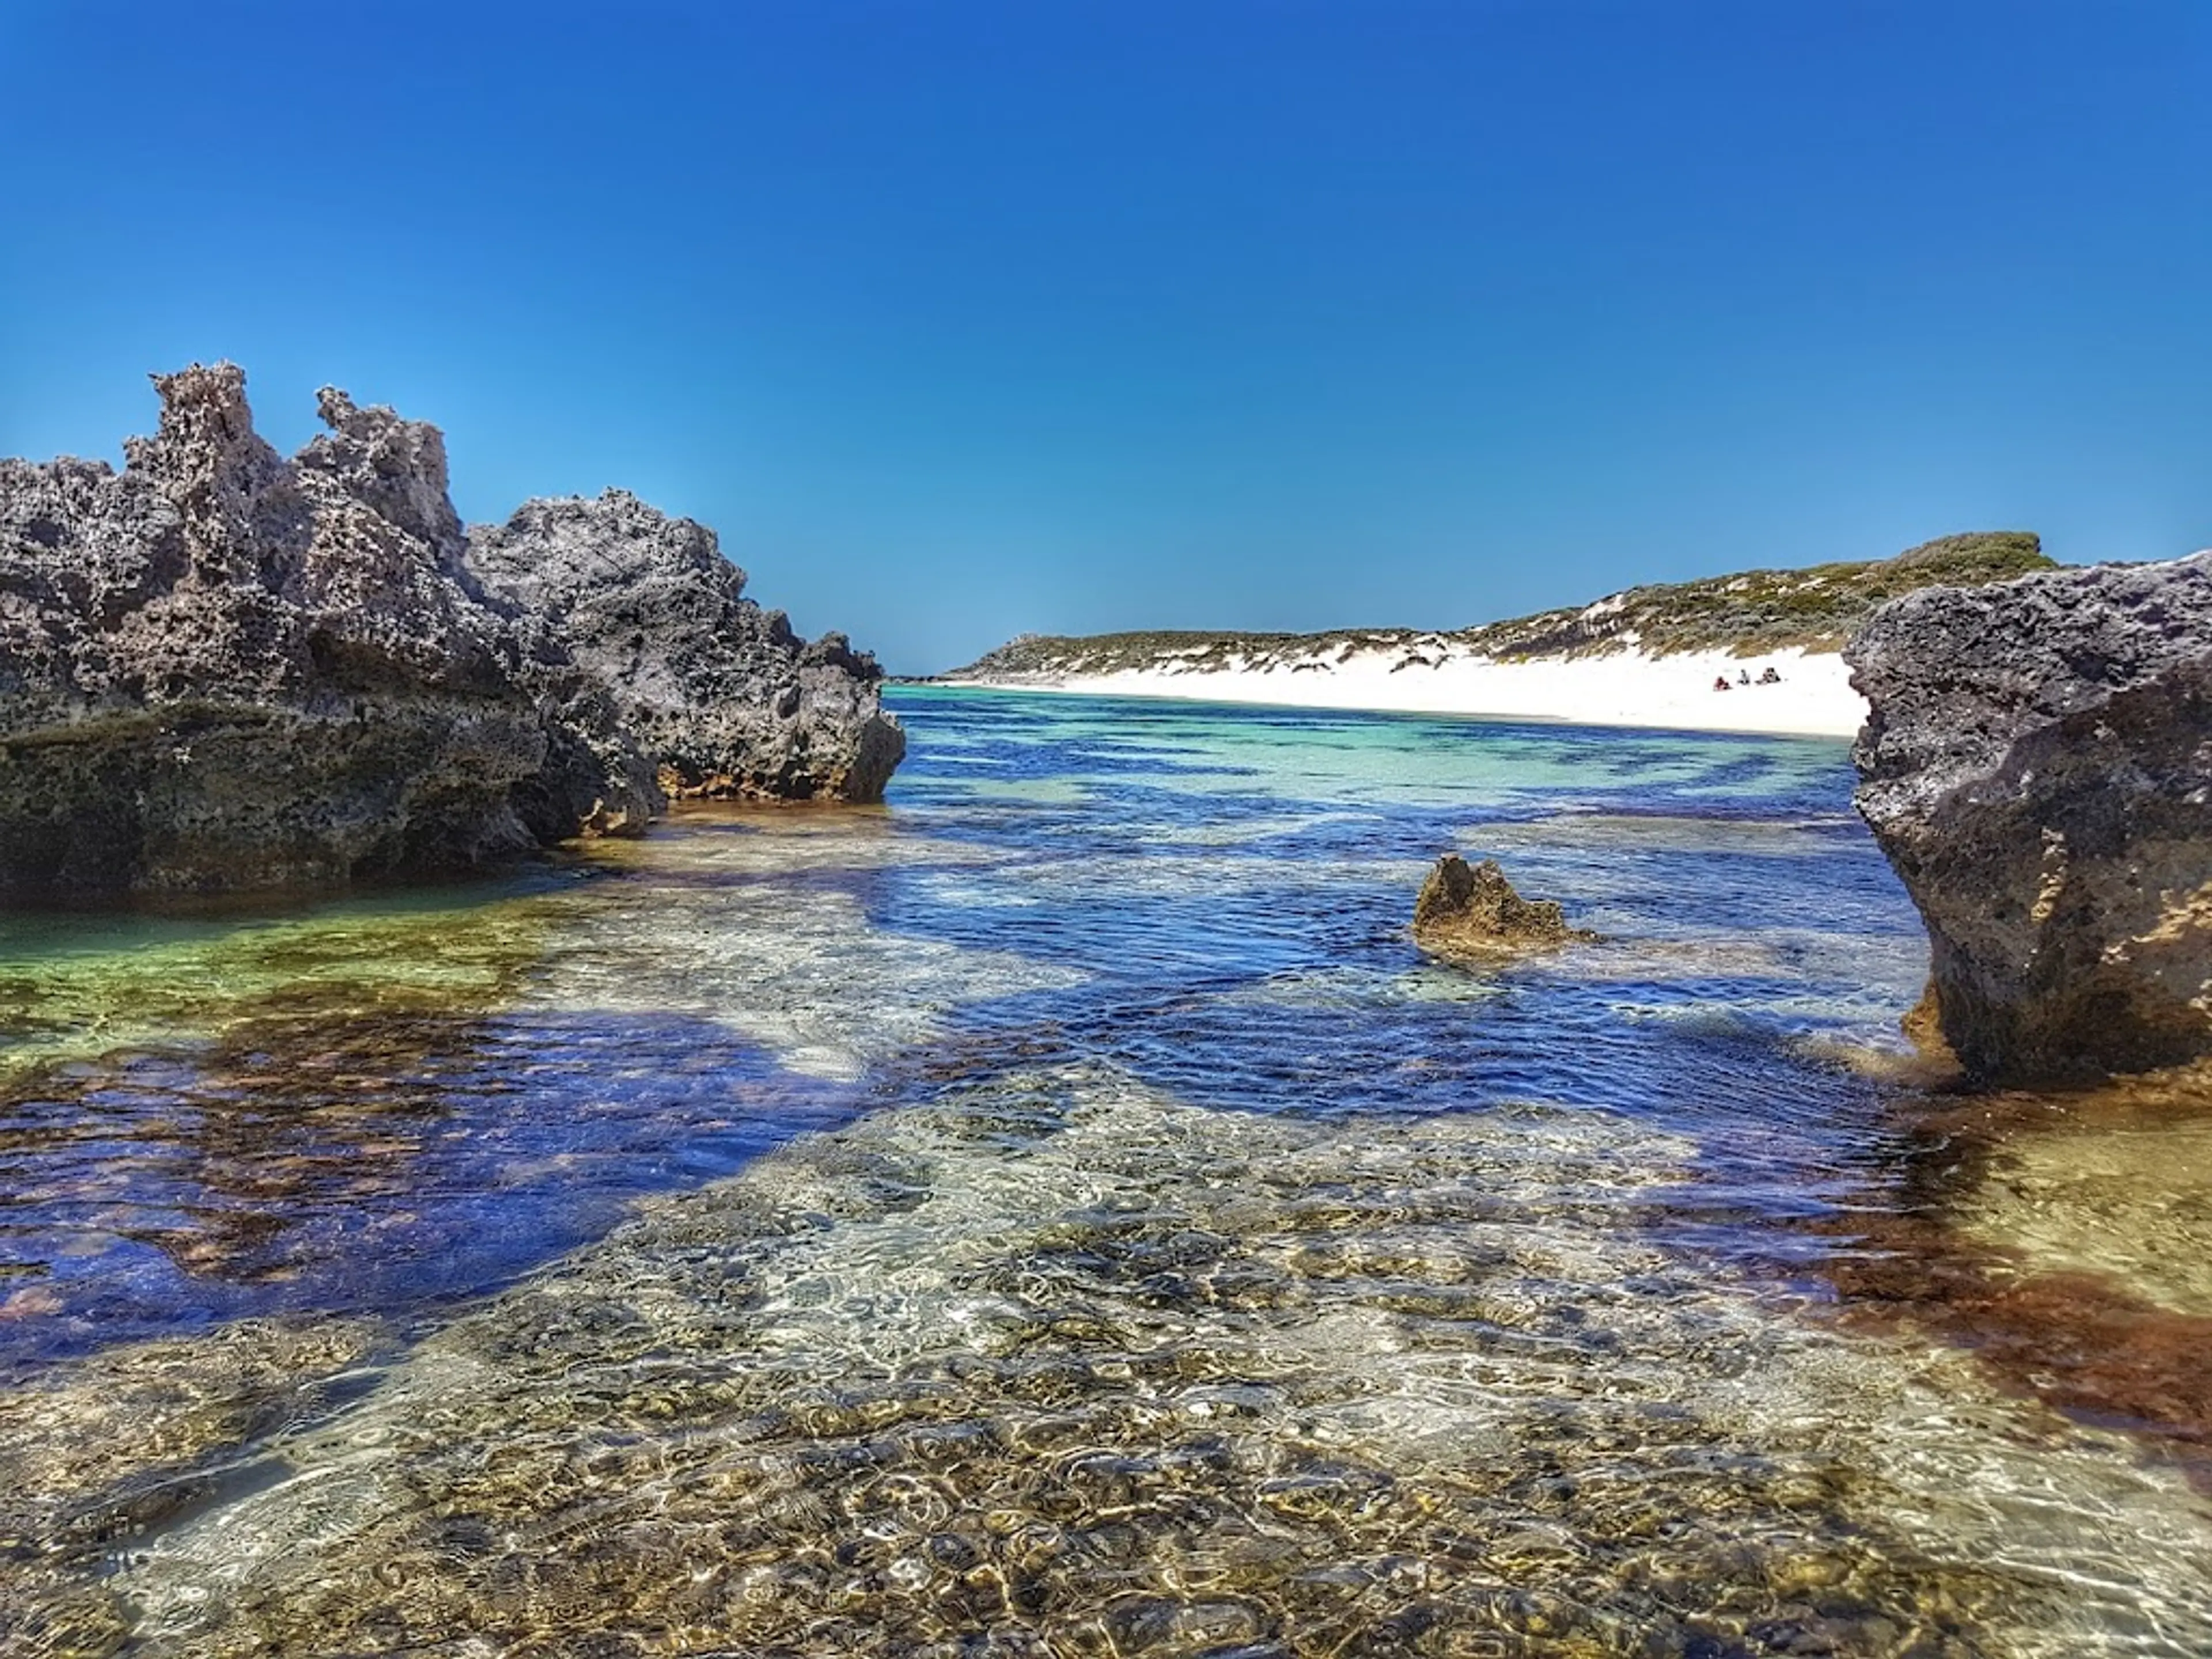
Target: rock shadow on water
[[2064, 1238], [405, 1099], [317, 1156]]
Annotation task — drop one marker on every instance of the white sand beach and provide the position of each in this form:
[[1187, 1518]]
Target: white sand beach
[[1812, 698]]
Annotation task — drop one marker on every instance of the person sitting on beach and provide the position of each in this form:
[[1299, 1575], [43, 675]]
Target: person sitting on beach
[[1720, 683], [1743, 676], [1769, 676]]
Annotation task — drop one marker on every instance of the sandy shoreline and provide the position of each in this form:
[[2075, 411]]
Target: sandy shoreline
[[1813, 699]]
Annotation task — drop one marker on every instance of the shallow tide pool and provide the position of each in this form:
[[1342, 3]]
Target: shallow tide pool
[[1059, 1213]]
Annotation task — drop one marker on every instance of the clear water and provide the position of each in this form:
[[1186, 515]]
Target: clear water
[[1060, 1213]]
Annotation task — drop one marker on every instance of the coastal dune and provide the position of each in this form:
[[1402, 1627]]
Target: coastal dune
[[1675, 692], [1758, 651]]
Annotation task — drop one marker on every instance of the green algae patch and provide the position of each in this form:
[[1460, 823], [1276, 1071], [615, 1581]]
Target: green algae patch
[[73, 989], [698, 918]]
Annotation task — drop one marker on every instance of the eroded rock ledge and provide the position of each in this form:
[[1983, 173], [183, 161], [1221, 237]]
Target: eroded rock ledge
[[221, 669], [724, 696], [2038, 768]]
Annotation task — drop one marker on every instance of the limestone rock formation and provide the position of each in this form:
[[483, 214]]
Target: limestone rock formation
[[722, 695], [223, 669], [2038, 768], [1467, 910]]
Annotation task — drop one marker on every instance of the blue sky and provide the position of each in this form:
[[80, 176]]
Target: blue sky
[[958, 319]]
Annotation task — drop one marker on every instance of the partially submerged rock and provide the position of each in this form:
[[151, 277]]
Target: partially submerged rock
[[1465, 909], [221, 669], [2038, 768], [724, 697]]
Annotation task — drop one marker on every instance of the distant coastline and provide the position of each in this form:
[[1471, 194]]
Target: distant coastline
[[1757, 651], [1814, 698]]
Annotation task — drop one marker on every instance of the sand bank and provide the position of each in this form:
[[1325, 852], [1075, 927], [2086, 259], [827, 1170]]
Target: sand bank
[[1814, 697]]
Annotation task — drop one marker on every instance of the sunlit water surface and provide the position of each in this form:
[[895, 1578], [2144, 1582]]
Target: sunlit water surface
[[1060, 1213]]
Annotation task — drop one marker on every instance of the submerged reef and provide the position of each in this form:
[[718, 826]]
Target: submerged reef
[[2038, 768], [221, 669], [1061, 1366], [1465, 908], [726, 699]]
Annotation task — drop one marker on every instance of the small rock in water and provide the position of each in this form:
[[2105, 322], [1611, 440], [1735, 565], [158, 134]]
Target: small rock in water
[[1465, 907]]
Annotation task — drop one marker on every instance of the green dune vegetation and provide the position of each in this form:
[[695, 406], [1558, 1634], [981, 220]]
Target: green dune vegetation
[[1815, 608]]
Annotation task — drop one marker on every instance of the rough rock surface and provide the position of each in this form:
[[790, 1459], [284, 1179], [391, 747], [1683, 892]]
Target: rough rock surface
[[1465, 908], [723, 696], [2038, 768], [219, 668]]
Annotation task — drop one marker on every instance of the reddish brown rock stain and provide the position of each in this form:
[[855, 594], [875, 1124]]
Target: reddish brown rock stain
[[2083, 1343]]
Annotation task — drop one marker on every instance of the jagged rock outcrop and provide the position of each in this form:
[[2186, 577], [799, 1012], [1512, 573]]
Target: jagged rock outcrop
[[1472, 910], [2038, 768], [723, 696], [219, 668]]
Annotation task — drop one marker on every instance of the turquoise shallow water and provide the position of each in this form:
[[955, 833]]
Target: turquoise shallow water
[[1058, 1212]]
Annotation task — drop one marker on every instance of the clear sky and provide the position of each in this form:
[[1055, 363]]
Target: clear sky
[[958, 319]]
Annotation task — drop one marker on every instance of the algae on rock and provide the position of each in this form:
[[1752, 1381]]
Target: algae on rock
[[1057, 1365], [1465, 908]]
